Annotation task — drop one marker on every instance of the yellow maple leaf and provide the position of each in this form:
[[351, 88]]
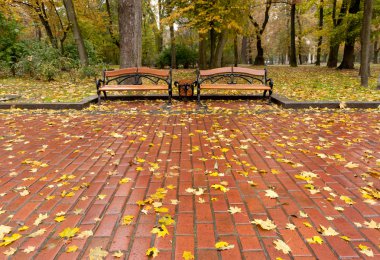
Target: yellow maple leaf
[[71, 249], [222, 245], [59, 218], [307, 224], [220, 187], [118, 254], [69, 232], [162, 231], [346, 238], [224, 150], [315, 240], [152, 252], [187, 255], [264, 224], [23, 228], [127, 220], [346, 199], [124, 180], [10, 240], [167, 220]]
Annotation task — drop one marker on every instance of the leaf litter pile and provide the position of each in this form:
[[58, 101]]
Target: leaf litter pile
[[132, 179]]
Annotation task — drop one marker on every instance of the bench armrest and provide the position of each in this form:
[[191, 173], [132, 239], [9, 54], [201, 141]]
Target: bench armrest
[[270, 82], [99, 82]]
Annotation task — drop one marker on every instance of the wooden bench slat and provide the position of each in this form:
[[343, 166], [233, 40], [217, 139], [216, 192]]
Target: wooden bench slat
[[248, 71], [146, 70], [132, 87], [235, 86], [215, 71], [120, 72]]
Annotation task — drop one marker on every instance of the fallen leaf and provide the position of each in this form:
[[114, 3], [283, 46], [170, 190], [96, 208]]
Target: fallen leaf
[[271, 194], [162, 231], [264, 224], [282, 246], [347, 200], [152, 252], [372, 224], [307, 224], [10, 251], [327, 231], [351, 165], [10, 240], [187, 255], [59, 219], [221, 245], [290, 226], [4, 230], [85, 234], [29, 249], [118, 254], [124, 180], [315, 240], [71, 249], [38, 233], [234, 210], [220, 187], [346, 238], [97, 253], [116, 135], [69, 232], [366, 250], [127, 220]]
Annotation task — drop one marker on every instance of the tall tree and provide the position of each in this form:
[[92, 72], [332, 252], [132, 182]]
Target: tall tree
[[130, 22], [320, 39], [335, 36], [293, 54], [259, 31], [351, 35], [365, 43], [110, 26], [71, 16]]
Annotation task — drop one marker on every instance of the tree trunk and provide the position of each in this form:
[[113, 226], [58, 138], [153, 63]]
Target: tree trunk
[[332, 61], [130, 23], [202, 52], [349, 45], [244, 50], [48, 29], [236, 51], [365, 43], [71, 16], [293, 55], [259, 60], [320, 39], [219, 50], [300, 47], [213, 36], [376, 50], [110, 25], [378, 82], [173, 53]]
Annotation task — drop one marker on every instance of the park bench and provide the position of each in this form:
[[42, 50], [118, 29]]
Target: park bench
[[132, 79], [234, 78]]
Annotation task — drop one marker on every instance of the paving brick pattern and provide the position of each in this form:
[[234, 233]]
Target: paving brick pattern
[[73, 163]]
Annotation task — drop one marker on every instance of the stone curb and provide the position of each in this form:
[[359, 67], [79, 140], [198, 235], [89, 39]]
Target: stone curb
[[276, 99]]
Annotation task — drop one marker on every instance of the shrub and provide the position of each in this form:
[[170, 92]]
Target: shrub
[[185, 57]]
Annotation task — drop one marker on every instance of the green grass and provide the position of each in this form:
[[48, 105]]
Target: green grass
[[301, 83]]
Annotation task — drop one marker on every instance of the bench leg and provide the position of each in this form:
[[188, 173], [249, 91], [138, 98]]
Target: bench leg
[[99, 99], [265, 92], [198, 96], [270, 97]]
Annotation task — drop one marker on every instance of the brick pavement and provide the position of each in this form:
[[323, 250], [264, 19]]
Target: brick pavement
[[94, 166]]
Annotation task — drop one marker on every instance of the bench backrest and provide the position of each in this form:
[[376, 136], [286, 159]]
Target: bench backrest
[[136, 74], [231, 74]]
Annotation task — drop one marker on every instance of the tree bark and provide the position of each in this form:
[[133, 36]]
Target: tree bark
[[173, 53], [259, 60], [320, 39], [236, 51], [130, 23], [376, 50], [349, 45], [365, 43], [293, 55], [110, 25], [219, 50], [300, 47], [71, 16], [213, 36], [244, 49], [202, 62], [332, 61]]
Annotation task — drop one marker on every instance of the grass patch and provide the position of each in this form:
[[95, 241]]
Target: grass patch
[[301, 83]]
